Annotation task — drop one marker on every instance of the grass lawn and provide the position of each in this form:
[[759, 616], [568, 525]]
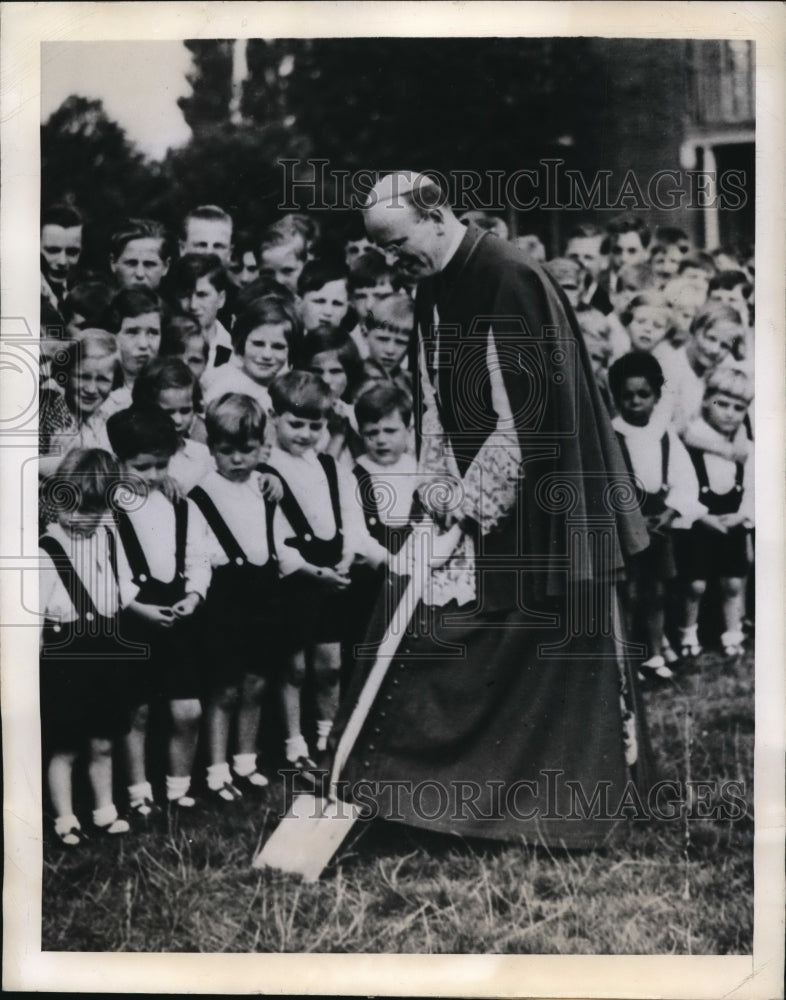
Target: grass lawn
[[670, 887]]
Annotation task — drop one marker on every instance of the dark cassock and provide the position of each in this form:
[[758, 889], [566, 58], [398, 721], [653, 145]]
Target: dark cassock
[[510, 710]]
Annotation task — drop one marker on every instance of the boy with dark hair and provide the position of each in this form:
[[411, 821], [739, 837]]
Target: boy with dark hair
[[61, 248], [139, 254], [630, 240], [134, 316], [199, 283], [322, 287], [370, 280], [86, 306], [163, 574]]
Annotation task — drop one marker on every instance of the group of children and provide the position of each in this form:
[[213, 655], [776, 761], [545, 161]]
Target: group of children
[[219, 428]]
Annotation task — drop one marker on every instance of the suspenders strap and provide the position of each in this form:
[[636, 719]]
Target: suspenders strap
[[136, 557], [218, 525], [366, 487], [75, 588], [697, 457], [270, 513], [181, 533], [739, 472], [664, 460], [328, 463]]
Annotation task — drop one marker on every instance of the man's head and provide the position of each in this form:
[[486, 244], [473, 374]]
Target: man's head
[[630, 239], [61, 242], [407, 215], [207, 230], [139, 254], [589, 246]]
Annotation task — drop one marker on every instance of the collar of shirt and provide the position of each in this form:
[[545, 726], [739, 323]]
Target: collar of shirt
[[405, 464], [650, 430]]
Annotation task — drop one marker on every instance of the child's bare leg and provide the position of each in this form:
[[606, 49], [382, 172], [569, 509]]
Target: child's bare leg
[[59, 774], [140, 792], [244, 762], [733, 589], [249, 712], [186, 713], [327, 672], [290, 701], [219, 716], [690, 614], [99, 771], [134, 745]]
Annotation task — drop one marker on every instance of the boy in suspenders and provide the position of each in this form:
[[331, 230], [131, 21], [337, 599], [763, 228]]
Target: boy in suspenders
[[164, 575]]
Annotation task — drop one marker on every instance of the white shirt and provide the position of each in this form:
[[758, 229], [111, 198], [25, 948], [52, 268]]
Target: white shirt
[[118, 399], [190, 463], [218, 338], [683, 390], [243, 508], [722, 475], [231, 378], [154, 525], [89, 556], [309, 484], [644, 448], [394, 486]]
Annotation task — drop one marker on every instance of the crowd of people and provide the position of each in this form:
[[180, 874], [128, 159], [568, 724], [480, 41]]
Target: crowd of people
[[228, 472]]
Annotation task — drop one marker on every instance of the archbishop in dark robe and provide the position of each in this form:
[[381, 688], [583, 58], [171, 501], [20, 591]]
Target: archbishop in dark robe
[[510, 710]]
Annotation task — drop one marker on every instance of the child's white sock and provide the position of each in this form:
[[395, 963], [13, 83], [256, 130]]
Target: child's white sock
[[689, 635], [218, 775], [296, 746], [245, 766], [177, 790], [732, 638], [324, 726], [138, 795], [65, 823], [105, 815]]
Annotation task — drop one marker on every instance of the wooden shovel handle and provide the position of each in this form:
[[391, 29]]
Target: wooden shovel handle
[[386, 650]]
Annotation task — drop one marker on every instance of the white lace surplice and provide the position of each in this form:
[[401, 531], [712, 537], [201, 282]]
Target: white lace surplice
[[486, 493]]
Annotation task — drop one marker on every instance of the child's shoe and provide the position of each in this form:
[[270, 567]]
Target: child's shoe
[[107, 823], [245, 775], [145, 813], [655, 669], [732, 642], [668, 653], [690, 647], [68, 832], [177, 792], [226, 795]]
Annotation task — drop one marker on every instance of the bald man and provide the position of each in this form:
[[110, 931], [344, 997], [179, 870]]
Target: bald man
[[509, 705]]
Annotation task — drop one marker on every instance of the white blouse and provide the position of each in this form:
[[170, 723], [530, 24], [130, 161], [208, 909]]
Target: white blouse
[[89, 555]]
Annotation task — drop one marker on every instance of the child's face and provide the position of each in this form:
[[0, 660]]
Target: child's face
[[364, 299], [647, 327], [666, 262], [730, 297], [725, 413], [697, 277], [140, 264], [204, 303], [178, 404], [572, 290], [297, 435], [138, 341], [325, 307], [386, 440], [244, 270], [353, 249], [195, 356], [628, 249], [206, 236], [283, 264], [387, 347], [80, 522], [637, 401], [266, 352], [60, 250], [236, 460], [146, 471], [714, 343], [328, 366], [90, 382], [586, 250]]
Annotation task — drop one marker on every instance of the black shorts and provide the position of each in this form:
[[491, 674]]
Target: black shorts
[[705, 554]]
